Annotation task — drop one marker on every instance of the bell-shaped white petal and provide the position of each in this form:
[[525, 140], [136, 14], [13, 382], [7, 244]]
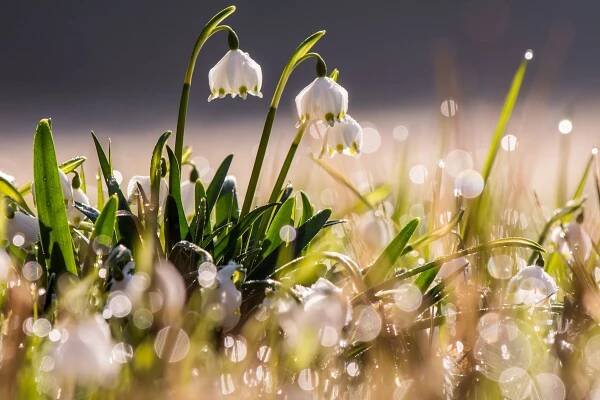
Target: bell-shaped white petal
[[22, 229], [75, 216], [326, 305], [345, 137], [531, 286], [85, 353], [188, 197], [236, 74], [579, 242], [9, 178], [322, 100], [144, 182]]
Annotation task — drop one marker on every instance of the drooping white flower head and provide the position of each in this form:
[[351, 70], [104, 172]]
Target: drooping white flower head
[[322, 100], [236, 74], [531, 286], [86, 353], [573, 242], [345, 137], [79, 196], [144, 181], [22, 229], [228, 297], [65, 184]]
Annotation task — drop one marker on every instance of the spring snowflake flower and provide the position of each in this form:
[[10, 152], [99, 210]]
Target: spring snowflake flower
[[345, 137], [574, 243], [531, 286], [85, 355], [322, 100], [22, 229], [236, 74], [144, 181], [79, 196], [67, 190], [227, 297], [188, 193]]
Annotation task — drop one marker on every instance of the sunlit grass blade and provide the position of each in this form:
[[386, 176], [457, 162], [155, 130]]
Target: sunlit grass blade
[[435, 234], [341, 179], [373, 198], [382, 267], [583, 180], [54, 225], [111, 183], [8, 190]]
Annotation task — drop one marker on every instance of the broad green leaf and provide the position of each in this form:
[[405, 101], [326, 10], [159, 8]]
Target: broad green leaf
[[214, 188], [307, 208], [227, 208], [382, 266], [171, 228], [284, 216], [175, 191], [105, 223], [52, 214], [66, 167]]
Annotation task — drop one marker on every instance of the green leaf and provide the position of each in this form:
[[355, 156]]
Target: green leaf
[[171, 229], [155, 171], [111, 183], [382, 266], [214, 188], [307, 208], [8, 190], [105, 223], [284, 216], [66, 167], [227, 208], [175, 191], [52, 215]]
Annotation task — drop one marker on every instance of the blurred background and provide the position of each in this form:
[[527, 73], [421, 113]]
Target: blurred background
[[415, 71]]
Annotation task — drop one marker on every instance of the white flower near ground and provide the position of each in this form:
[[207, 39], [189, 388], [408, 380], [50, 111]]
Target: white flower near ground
[[75, 216], [229, 297], [188, 197], [144, 181], [345, 137], [67, 190], [574, 243], [531, 286], [169, 282], [236, 74], [322, 100], [85, 353], [9, 178], [324, 312], [22, 229]]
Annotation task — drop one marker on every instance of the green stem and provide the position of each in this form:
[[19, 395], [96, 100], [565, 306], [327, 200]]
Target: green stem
[[209, 29], [300, 54]]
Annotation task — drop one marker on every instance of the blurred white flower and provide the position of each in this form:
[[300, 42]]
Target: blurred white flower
[[531, 286], [322, 100], [84, 353], [236, 74], [9, 178], [5, 265], [228, 297], [345, 137], [144, 181], [573, 242], [375, 231], [449, 268], [324, 312], [22, 228], [171, 286], [188, 197]]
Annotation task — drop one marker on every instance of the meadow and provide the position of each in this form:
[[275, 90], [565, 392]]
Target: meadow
[[444, 271]]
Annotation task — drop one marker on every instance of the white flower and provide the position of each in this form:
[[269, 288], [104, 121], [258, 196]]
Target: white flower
[[75, 216], [573, 242], [345, 137], [170, 284], [188, 197], [5, 265], [235, 74], [144, 181], [322, 100], [9, 178], [84, 353], [22, 227], [227, 297], [531, 286], [322, 316]]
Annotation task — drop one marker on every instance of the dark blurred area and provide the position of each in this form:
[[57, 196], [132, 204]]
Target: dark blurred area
[[118, 66]]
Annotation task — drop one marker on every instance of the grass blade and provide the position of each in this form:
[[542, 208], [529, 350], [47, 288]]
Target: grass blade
[[175, 191]]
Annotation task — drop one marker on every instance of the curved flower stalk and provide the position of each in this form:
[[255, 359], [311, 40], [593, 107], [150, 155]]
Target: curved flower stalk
[[301, 54], [212, 26]]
